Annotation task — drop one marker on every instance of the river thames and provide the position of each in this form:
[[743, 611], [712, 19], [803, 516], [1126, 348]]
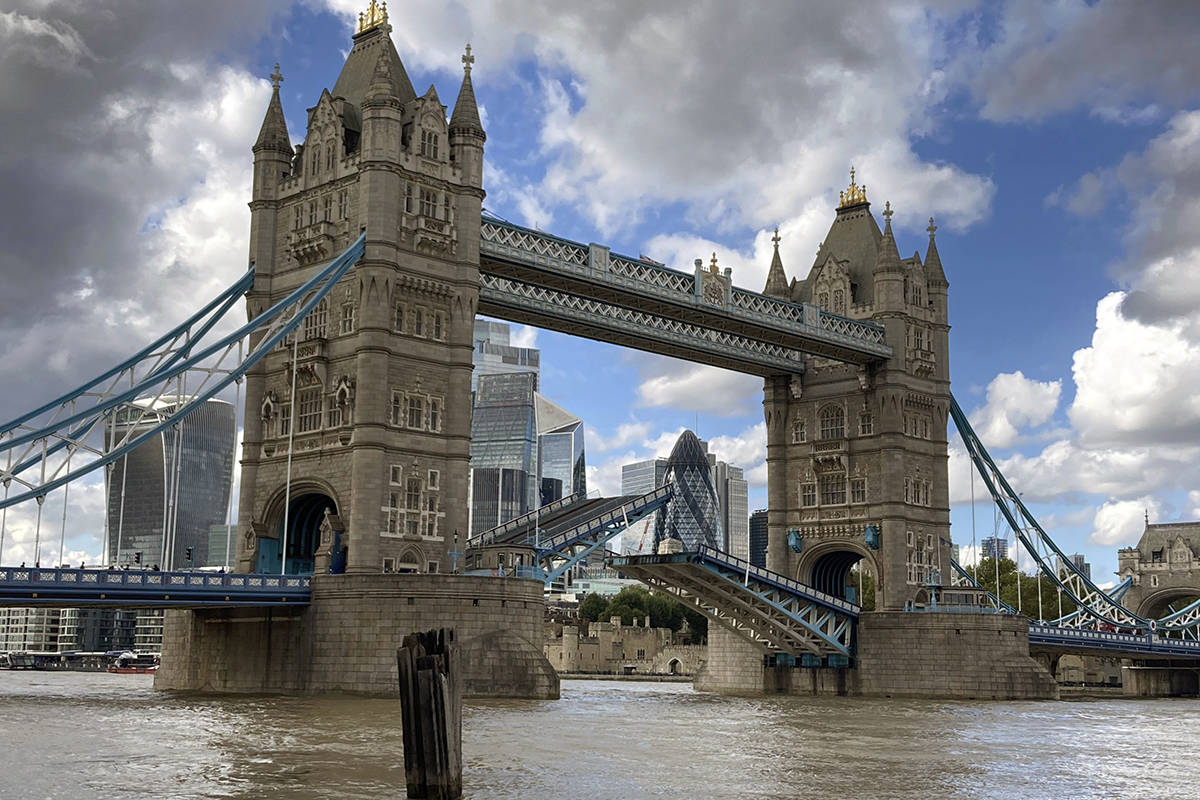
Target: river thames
[[80, 735]]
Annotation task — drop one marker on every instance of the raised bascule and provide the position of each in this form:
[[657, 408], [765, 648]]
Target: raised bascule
[[370, 256]]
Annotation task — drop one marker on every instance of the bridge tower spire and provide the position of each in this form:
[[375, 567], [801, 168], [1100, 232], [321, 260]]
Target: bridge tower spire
[[777, 282]]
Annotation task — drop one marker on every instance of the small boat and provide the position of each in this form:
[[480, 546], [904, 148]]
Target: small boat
[[134, 664]]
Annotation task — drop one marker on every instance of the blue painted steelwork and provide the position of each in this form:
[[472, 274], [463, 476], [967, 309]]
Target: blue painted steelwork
[[871, 537], [560, 552], [768, 609], [795, 540], [1112, 641], [28, 445], [23, 586]]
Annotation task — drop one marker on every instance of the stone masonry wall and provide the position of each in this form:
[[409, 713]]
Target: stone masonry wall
[[346, 640], [976, 656]]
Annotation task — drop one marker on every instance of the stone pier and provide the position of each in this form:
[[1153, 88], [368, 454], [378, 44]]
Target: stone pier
[[900, 654], [346, 640]]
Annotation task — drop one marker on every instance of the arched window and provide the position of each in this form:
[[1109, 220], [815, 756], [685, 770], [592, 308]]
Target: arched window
[[833, 422], [317, 320], [798, 432]]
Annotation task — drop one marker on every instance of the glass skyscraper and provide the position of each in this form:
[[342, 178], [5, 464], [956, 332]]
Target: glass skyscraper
[[165, 495], [733, 495], [525, 450], [692, 515], [758, 538]]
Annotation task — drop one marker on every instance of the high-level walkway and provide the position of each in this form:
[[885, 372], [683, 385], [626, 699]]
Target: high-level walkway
[[120, 588]]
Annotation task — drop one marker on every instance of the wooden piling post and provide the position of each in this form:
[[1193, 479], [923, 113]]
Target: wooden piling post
[[431, 711]]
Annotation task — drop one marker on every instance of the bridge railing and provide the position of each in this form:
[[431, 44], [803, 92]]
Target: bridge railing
[[743, 566], [83, 579]]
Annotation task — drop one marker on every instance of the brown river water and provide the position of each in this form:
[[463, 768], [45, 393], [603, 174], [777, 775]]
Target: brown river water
[[86, 735]]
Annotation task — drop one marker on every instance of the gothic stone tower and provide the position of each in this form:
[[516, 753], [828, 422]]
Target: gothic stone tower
[[857, 457], [380, 422]]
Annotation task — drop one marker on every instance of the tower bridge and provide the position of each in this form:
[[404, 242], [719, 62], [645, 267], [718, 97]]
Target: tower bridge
[[370, 256]]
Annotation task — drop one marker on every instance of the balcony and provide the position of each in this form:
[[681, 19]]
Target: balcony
[[312, 243]]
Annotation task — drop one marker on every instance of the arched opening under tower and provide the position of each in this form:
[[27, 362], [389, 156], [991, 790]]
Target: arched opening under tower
[[842, 573], [305, 512], [1167, 601]]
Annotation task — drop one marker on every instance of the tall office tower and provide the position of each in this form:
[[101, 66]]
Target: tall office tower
[[1081, 563], [733, 497], [165, 494], [638, 478], [504, 453], [994, 547], [525, 449], [692, 515], [561, 462], [758, 538], [494, 355]]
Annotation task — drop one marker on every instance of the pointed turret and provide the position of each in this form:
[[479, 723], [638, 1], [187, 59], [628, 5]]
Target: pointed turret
[[274, 133], [933, 261], [777, 282], [382, 88], [888, 259], [466, 132], [466, 111]]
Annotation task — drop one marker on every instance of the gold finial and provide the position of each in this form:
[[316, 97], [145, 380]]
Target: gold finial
[[713, 266], [776, 238], [468, 59], [854, 194], [275, 77], [375, 16]]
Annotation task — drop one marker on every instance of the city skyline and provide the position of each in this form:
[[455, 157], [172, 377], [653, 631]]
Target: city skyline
[[1061, 211]]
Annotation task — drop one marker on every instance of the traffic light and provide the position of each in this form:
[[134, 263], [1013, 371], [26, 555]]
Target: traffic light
[[188, 553], [137, 557]]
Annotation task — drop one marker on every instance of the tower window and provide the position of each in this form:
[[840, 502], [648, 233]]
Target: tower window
[[312, 213], [299, 218], [416, 412], [437, 325], [343, 204], [435, 414], [428, 203], [833, 490], [799, 435], [399, 323], [833, 422], [866, 424], [328, 207], [429, 144], [858, 490], [419, 322], [408, 198], [412, 494], [397, 418], [316, 160], [316, 322], [808, 494], [308, 410], [329, 156], [347, 325]]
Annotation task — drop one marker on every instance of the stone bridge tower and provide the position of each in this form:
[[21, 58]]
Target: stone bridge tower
[[1164, 566], [857, 457], [376, 435]]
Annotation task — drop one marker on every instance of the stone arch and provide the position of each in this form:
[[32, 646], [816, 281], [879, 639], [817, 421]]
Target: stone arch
[[674, 666], [1155, 604], [411, 560], [827, 565], [306, 505]]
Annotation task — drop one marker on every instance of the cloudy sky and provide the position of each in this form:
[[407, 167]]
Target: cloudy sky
[[1056, 143]]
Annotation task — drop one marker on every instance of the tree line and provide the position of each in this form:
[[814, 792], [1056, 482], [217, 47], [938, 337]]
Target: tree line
[[638, 602]]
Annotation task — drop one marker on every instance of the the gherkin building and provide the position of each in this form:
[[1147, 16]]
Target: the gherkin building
[[692, 514]]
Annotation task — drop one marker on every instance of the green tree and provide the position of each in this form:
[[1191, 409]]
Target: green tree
[[594, 607], [867, 597], [985, 572]]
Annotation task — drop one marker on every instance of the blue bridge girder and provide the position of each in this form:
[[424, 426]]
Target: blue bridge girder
[[120, 588], [536, 278], [769, 610], [569, 530]]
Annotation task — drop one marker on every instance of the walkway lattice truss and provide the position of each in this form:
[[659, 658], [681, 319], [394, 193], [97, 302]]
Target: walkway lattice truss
[[775, 613], [110, 415]]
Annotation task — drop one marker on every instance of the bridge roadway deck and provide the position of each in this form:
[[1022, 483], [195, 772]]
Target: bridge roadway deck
[[119, 588], [1111, 644], [533, 277]]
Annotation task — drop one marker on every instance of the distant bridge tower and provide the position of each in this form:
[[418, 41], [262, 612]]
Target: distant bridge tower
[[857, 457], [374, 410], [1164, 566]]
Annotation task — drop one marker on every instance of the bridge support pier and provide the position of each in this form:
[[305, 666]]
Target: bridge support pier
[[1160, 681], [900, 654], [346, 640]]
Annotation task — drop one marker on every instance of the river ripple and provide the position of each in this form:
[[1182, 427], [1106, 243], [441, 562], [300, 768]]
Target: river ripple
[[81, 735]]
